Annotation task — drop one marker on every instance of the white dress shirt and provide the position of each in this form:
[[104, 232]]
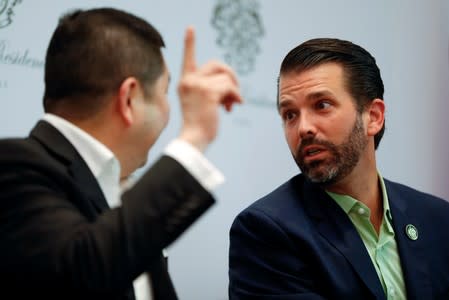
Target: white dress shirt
[[106, 168]]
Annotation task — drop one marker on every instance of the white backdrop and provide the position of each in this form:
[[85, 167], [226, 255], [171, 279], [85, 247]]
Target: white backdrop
[[409, 38]]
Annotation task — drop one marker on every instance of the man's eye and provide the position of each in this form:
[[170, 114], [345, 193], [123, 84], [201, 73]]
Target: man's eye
[[288, 115], [323, 104]]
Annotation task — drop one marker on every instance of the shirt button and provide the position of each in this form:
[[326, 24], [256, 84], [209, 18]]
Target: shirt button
[[360, 210]]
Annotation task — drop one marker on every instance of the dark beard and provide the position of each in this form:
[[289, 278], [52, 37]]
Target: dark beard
[[343, 158]]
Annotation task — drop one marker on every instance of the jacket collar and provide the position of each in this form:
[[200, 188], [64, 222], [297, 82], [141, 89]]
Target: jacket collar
[[411, 252], [62, 150], [336, 227]]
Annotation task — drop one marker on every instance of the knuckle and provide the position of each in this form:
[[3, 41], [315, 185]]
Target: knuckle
[[185, 84]]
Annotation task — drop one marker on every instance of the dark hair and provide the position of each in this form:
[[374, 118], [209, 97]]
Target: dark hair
[[91, 52], [362, 75]]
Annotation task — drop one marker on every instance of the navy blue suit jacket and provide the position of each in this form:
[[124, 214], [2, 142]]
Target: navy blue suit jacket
[[297, 243]]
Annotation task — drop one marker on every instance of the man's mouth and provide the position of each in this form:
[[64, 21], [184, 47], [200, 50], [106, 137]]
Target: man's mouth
[[312, 151]]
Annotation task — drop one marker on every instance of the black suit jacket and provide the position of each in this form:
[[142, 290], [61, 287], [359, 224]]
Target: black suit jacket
[[60, 240], [297, 243]]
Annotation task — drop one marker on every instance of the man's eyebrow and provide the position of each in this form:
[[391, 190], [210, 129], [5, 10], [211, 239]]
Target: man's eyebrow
[[319, 94], [309, 97], [284, 103]]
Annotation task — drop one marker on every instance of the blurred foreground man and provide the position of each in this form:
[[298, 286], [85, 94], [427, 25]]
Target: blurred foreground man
[[65, 232]]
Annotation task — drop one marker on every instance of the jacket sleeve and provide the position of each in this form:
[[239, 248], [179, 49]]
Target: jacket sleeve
[[45, 235]]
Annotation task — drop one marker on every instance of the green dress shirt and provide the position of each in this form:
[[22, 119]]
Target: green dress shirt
[[382, 248]]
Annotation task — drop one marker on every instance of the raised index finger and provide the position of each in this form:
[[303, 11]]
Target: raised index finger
[[189, 64]]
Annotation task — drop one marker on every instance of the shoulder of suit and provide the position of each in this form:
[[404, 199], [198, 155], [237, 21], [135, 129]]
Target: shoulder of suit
[[415, 196], [13, 147], [24, 153], [280, 198]]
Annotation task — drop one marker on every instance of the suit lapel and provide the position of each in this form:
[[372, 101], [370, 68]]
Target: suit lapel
[[336, 227], [64, 151], [411, 252]]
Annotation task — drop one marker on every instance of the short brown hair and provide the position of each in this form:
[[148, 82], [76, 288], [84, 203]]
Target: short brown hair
[[91, 52]]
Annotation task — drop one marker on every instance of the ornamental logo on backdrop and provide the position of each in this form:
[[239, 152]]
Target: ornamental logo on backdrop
[[7, 8], [240, 28]]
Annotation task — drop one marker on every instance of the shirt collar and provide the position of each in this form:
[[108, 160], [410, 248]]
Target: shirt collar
[[386, 203], [347, 203]]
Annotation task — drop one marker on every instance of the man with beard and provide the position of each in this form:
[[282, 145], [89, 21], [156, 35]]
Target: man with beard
[[338, 230]]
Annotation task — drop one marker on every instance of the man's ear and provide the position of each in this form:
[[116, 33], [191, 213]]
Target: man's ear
[[128, 91], [376, 116]]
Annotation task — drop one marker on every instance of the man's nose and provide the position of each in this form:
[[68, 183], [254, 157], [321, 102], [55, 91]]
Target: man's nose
[[306, 126]]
